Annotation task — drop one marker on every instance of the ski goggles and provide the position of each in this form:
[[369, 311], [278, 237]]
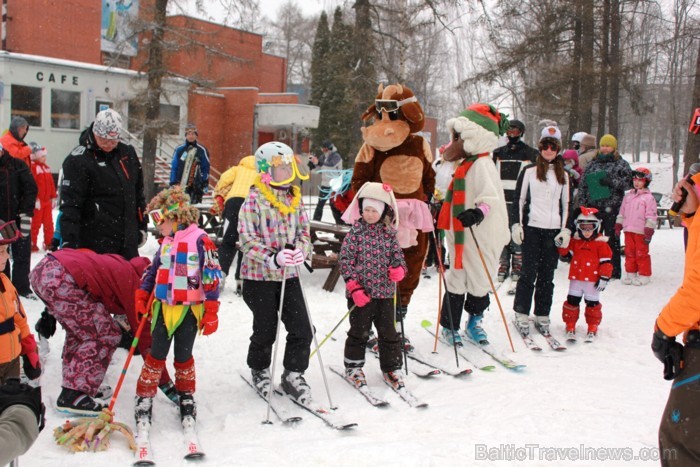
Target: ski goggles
[[641, 175], [8, 232], [158, 215], [588, 226], [391, 105]]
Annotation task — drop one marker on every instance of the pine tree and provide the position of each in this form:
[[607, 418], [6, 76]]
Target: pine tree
[[321, 77]]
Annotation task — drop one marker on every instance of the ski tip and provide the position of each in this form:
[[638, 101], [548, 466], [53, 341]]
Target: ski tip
[[194, 456]]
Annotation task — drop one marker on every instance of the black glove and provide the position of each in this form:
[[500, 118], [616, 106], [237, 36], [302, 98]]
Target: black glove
[[566, 258], [55, 243], [13, 393], [669, 352], [29, 371], [46, 325], [606, 181], [471, 217]]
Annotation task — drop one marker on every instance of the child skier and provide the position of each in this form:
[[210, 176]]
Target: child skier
[[371, 262], [637, 219], [275, 239], [15, 337], [45, 198], [184, 282], [589, 273]]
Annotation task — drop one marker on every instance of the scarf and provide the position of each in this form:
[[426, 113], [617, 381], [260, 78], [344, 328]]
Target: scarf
[[454, 204]]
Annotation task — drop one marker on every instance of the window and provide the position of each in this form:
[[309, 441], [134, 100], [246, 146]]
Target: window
[[102, 105], [65, 109], [26, 102], [169, 116]]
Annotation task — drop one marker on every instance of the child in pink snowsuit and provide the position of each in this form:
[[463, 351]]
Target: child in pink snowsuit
[[637, 218]]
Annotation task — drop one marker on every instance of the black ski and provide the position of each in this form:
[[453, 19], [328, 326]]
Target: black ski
[[364, 390], [327, 416], [281, 413]]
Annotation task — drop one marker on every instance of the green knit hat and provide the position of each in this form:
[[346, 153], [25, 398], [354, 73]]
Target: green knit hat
[[487, 116]]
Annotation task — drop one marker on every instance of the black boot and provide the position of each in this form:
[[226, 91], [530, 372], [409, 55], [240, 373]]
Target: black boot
[[452, 304], [188, 408]]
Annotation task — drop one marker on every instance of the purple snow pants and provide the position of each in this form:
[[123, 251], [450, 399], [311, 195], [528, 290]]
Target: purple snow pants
[[92, 335]]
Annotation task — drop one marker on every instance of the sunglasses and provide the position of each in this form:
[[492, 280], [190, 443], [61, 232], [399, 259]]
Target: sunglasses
[[549, 147]]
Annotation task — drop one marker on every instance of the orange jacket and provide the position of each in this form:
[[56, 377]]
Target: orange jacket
[[11, 308], [682, 312], [15, 148]]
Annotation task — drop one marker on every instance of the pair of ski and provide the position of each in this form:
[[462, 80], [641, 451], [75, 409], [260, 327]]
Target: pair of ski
[[144, 452], [531, 344], [423, 367], [377, 401], [465, 351], [283, 405]]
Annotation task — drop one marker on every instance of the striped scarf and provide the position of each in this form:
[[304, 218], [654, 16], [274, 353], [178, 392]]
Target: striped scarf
[[454, 204]]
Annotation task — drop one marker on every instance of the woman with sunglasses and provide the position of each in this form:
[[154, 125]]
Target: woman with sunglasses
[[541, 214]]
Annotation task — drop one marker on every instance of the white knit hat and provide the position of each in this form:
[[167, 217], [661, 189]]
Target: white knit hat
[[551, 131]]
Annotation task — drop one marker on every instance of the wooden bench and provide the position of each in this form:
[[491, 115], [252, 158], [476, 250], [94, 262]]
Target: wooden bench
[[326, 249], [662, 214]]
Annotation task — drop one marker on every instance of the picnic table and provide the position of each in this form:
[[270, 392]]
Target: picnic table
[[327, 239]]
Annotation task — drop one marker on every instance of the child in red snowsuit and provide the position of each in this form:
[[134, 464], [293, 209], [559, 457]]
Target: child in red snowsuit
[[591, 268], [45, 199]]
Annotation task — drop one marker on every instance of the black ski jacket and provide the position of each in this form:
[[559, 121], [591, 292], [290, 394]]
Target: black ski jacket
[[17, 188], [102, 199]]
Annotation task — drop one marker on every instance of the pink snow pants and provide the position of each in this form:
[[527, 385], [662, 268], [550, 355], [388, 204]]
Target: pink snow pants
[[92, 335]]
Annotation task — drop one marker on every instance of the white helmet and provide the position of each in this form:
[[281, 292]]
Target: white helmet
[[578, 137], [588, 218], [108, 124], [267, 156]]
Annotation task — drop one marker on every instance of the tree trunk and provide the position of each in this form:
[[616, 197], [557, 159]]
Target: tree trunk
[[155, 72], [692, 145], [615, 69], [604, 70], [576, 72], [588, 80]]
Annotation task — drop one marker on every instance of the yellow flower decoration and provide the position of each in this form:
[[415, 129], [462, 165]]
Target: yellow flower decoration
[[272, 199], [276, 161]]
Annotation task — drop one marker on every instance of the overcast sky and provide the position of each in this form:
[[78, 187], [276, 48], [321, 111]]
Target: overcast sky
[[267, 7]]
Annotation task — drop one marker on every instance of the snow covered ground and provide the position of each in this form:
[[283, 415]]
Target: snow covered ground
[[602, 399]]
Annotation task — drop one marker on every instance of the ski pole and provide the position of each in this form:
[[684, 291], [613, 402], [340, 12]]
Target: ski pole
[[333, 330], [397, 299], [493, 287], [277, 340], [132, 349], [313, 333], [449, 306]]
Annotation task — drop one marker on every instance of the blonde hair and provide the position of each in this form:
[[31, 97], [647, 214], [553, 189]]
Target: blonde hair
[[175, 204]]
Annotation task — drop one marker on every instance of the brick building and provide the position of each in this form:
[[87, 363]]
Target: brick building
[[54, 72]]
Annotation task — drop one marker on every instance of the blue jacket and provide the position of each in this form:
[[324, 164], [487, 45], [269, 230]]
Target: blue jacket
[[178, 164]]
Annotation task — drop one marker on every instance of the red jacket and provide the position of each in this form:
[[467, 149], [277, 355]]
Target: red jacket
[[44, 182], [16, 148], [590, 260]]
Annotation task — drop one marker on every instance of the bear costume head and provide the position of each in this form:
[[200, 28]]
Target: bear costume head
[[397, 114]]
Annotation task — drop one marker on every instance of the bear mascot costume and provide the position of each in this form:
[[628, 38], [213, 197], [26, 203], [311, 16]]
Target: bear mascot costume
[[393, 154]]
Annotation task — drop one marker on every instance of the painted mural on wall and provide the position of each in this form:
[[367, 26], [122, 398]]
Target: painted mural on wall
[[116, 30]]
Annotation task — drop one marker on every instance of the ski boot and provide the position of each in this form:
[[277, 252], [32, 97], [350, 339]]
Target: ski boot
[[542, 325], [452, 337], [641, 280], [401, 313], [188, 408], [373, 343], [261, 380], [394, 379], [356, 376], [522, 323], [594, 316], [475, 331], [143, 410], [513, 285], [294, 384], [170, 392], [104, 392]]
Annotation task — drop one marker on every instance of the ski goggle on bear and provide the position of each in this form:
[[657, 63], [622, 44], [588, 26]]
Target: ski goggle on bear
[[391, 106]]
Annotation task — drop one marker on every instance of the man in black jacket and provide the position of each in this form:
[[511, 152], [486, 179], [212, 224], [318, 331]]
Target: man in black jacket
[[102, 198], [17, 182], [510, 160]]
